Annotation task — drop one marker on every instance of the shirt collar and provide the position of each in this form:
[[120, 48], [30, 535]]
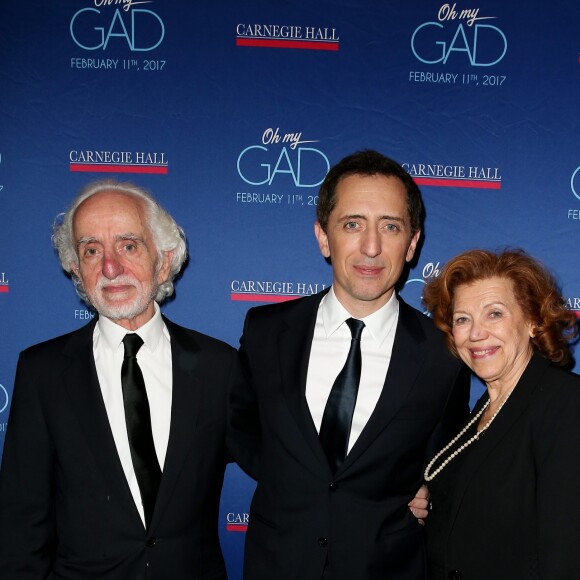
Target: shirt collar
[[378, 324], [151, 332]]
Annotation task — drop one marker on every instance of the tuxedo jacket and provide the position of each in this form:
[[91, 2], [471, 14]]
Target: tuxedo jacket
[[301, 515], [66, 510], [511, 512]]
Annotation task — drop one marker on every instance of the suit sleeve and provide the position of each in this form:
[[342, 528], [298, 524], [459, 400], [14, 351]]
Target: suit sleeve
[[244, 432], [27, 526], [557, 444], [454, 414]]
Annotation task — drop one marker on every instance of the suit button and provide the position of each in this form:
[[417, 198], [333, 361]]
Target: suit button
[[151, 542], [322, 542], [455, 575], [333, 486]]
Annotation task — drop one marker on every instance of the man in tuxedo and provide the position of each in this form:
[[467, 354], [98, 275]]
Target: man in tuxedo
[[345, 395], [114, 458]]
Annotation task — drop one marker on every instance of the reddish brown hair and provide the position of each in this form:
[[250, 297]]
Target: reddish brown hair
[[534, 288]]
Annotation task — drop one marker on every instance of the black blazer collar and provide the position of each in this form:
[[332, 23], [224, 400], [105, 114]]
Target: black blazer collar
[[294, 344], [507, 419], [185, 407], [406, 361], [295, 341], [82, 385]]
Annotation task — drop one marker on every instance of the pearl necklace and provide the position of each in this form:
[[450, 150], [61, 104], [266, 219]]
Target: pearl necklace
[[429, 476]]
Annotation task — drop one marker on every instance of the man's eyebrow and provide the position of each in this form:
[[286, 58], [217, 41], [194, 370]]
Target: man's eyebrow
[[352, 216], [396, 218], [129, 236], [86, 240], [120, 238], [383, 217]]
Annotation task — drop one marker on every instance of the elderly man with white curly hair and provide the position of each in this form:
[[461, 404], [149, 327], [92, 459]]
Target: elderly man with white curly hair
[[114, 459]]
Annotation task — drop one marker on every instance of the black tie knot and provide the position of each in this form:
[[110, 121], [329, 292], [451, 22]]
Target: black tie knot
[[133, 342], [356, 327]]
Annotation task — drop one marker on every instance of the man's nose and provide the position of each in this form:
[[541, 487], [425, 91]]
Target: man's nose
[[371, 243], [112, 266]]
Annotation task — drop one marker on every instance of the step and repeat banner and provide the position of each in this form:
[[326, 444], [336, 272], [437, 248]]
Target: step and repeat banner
[[231, 113]]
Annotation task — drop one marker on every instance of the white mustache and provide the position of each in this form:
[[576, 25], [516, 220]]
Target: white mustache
[[119, 281]]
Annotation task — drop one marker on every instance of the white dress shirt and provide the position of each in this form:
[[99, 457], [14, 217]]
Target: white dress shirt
[[330, 346], [154, 359]]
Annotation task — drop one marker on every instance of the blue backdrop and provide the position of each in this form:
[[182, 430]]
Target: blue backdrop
[[232, 113]]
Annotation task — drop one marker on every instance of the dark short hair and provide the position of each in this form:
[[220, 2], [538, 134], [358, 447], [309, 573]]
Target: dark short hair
[[368, 162], [534, 287]]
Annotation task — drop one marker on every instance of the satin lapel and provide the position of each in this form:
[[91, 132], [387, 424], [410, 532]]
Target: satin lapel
[[185, 405], [294, 345], [406, 362], [82, 385], [506, 420]]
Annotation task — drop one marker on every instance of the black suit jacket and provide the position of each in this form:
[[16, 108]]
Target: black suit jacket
[[66, 510], [300, 514], [512, 511]]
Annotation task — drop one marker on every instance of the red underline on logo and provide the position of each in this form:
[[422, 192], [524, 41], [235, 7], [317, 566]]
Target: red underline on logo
[[236, 528], [263, 297], [577, 313], [104, 168], [479, 184], [277, 43], [4, 288]]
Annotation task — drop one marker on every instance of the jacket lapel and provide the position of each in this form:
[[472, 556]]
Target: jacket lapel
[[82, 385], [185, 405], [406, 362], [295, 342], [505, 421], [294, 345]]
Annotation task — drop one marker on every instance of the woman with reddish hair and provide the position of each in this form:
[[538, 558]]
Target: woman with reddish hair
[[504, 489]]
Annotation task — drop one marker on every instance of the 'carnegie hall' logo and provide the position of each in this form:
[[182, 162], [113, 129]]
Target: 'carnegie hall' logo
[[447, 175], [287, 36], [271, 291], [118, 161], [237, 522], [4, 284], [573, 304]]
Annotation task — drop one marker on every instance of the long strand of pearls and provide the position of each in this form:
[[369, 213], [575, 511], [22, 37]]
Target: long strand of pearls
[[429, 476]]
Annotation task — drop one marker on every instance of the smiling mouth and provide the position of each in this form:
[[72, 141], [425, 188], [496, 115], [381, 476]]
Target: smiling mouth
[[117, 289], [369, 270], [483, 352]]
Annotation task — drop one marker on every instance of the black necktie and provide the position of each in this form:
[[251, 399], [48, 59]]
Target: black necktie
[[138, 420], [337, 418]]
